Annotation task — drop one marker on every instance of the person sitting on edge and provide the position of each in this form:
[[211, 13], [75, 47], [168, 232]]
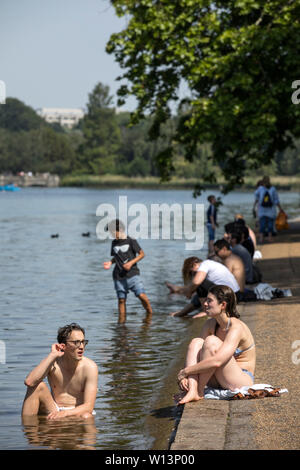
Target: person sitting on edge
[[239, 250], [73, 379], [252, 235], [246, 240], [223, 356], [228, 229], [126, 253], [233, 262], [199, 276]]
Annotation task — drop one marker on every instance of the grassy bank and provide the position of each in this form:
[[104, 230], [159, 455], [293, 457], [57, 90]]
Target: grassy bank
[[149, 182]]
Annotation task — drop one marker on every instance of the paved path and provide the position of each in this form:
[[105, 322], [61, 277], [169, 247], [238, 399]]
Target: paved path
[[269, 423]]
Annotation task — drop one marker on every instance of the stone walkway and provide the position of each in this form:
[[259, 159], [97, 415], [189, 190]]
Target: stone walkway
[[268, 423]]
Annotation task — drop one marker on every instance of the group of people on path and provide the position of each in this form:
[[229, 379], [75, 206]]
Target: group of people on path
[[222, 356]]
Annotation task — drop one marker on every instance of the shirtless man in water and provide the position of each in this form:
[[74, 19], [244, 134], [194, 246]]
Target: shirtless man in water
[[73, 379]]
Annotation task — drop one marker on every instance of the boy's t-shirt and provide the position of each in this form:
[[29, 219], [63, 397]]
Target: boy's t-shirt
[[124, 250]]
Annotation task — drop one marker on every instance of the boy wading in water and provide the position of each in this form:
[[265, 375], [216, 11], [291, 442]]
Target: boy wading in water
[[73, 379], [126, 253]]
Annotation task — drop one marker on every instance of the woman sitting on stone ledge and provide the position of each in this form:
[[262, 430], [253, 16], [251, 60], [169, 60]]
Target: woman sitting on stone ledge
[[224, 354]]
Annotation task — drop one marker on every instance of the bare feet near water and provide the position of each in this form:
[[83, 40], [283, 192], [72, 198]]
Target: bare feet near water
[[173, 288], [185, 397]]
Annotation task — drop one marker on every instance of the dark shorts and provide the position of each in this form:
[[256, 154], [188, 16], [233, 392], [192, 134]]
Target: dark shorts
[[133, 284]]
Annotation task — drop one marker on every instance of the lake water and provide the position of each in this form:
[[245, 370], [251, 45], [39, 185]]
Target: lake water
[[49, 282]]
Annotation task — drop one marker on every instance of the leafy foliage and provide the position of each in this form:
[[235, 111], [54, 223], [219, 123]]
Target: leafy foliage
[[238, 59], [28, 143], [101, 144]]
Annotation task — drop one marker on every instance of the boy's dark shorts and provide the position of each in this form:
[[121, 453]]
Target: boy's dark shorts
[[133, 284]]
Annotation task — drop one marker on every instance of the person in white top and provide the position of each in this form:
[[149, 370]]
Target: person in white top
[[198, 277]]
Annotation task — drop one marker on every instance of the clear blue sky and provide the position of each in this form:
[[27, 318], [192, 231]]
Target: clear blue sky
[[52, 52]]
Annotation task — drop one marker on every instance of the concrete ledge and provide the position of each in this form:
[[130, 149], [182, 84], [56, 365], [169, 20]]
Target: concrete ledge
[[202, 426]]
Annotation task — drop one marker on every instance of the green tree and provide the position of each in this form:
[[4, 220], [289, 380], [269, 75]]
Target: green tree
[[16, 116], [237, 59], [37, 150], [288, 162], [100, 148]]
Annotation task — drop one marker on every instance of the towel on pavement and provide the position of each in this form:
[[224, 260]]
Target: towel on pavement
[[264, 291], [243, 393]]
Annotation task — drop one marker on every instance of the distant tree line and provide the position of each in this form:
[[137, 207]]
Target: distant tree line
[[104, 142]]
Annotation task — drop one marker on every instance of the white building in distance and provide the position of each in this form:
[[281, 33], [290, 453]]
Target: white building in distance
[[66, 117]]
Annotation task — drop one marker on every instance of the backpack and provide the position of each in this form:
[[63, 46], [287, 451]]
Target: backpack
[[267, 201]]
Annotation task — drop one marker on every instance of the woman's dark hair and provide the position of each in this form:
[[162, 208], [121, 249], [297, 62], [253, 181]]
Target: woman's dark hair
[[64, 332], [187, 267], [226, 294], [230, 227], [239, 222], [236, 236], [245, 231]]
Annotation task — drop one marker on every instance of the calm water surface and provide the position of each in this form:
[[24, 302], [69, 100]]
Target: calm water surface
[[46, 283]]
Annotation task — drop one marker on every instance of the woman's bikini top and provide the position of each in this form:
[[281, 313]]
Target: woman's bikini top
[[238, 351]]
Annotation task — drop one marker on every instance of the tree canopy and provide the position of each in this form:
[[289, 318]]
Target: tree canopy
[[101, 133], [237, 59]]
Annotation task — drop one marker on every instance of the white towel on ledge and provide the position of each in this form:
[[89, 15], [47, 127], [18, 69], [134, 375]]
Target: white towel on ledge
[[219, 394]]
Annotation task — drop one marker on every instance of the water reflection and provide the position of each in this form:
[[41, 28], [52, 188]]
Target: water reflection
[[62, 434], [124, 394]]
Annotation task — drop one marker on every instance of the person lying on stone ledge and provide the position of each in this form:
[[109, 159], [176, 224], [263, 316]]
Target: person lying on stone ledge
[[223, 356]]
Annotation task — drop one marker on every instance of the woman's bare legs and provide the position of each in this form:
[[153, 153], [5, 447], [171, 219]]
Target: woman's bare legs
[[228, 376], [196, 383], [193, 357]]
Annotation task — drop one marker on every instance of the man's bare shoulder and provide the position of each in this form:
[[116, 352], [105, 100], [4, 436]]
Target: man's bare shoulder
[[235, 259], [89, 364]]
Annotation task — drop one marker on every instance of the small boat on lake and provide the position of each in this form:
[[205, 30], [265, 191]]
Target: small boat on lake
[[9, 187]]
